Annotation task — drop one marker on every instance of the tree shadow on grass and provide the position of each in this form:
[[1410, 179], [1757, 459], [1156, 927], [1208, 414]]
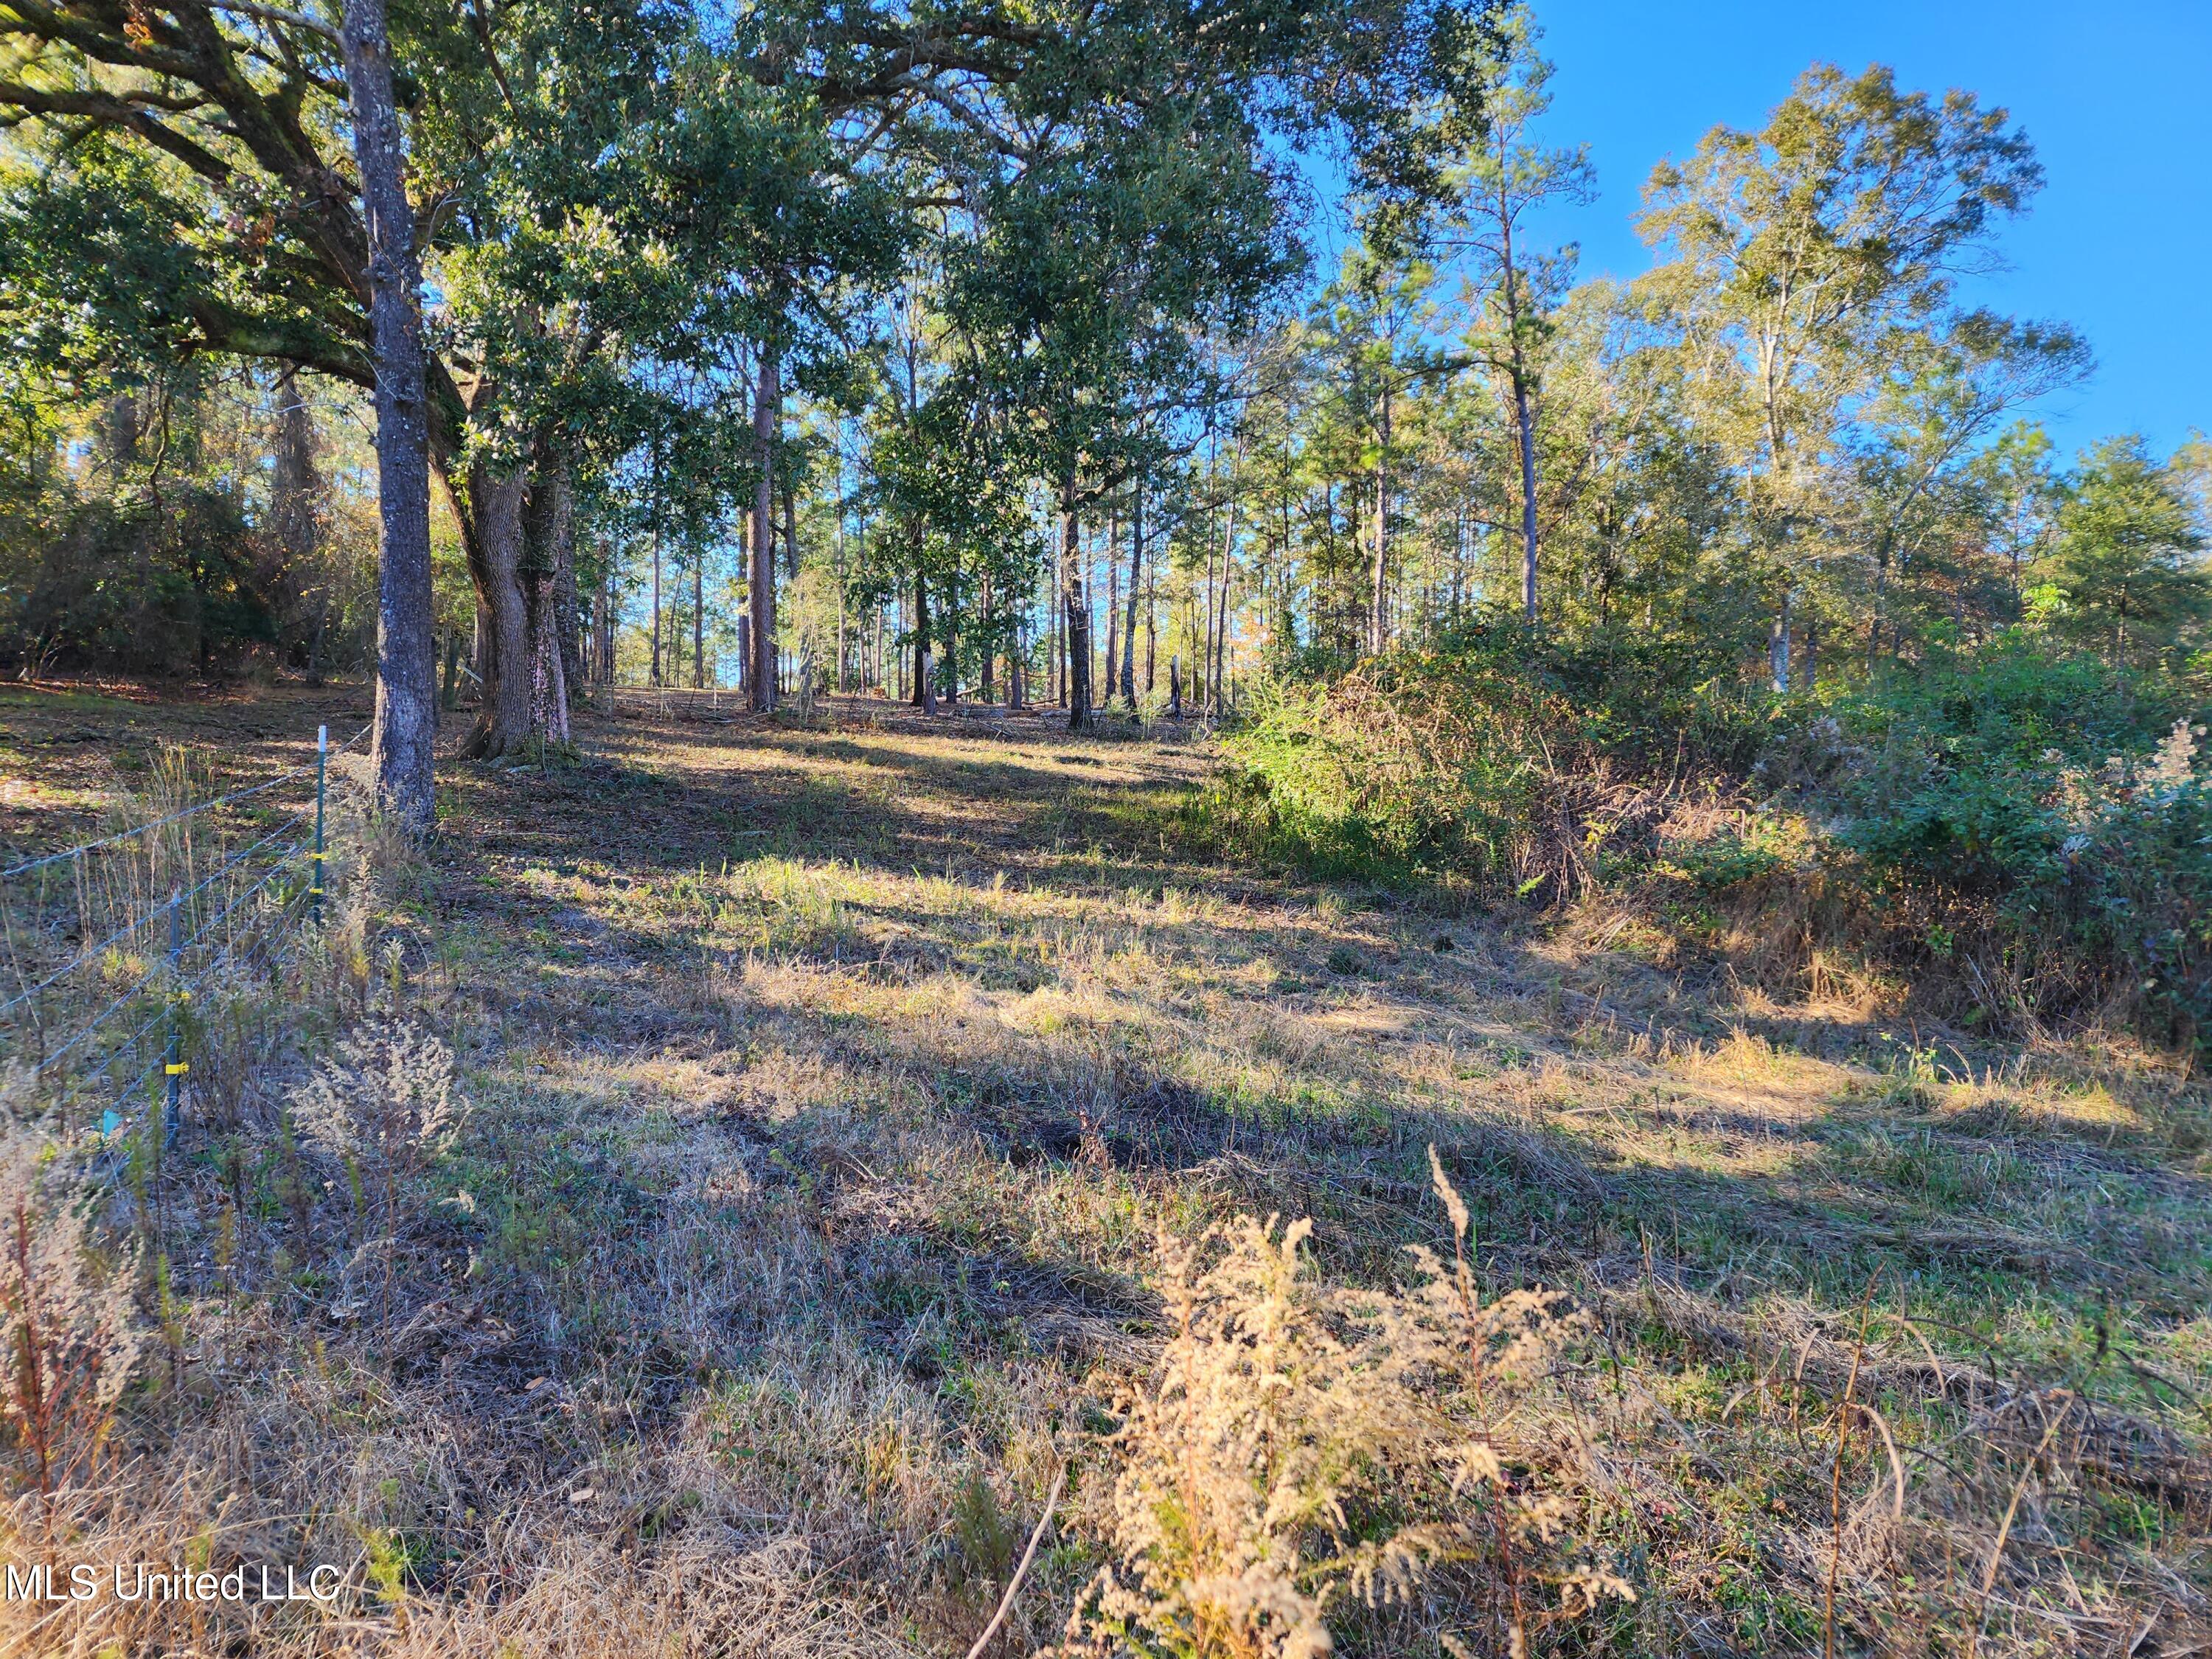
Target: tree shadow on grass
[[1949, 1213]]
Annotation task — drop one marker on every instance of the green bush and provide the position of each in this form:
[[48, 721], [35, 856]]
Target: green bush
[[1501, 758], [166, 586], [2052, 810], [1956, 772], [2067, 795], [1381, 774]]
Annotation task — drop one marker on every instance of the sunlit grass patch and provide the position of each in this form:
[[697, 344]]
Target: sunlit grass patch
[[830, 1108]]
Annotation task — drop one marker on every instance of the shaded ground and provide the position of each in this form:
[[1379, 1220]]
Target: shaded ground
[[830, 1084]]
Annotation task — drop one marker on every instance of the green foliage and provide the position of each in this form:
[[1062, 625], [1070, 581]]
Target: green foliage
[[2055, 804], [2128, 580], [1490, 757], [161, 588], [138, 532], [2064, 793], [1954, 772]]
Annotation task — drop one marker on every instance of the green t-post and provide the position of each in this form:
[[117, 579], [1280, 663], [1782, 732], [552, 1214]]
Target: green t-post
[[322, 761]]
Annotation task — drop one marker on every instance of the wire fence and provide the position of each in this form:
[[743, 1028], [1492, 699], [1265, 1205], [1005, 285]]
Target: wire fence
[[105, 945]]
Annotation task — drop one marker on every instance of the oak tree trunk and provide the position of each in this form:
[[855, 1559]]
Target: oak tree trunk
[[520, 529], [406, 669], [495, 511]]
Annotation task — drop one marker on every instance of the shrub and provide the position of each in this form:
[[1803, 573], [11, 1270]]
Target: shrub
[[2065, 798], [165, 588], [2048, 811], [1302, 1447], [1518, 762], [1955, 772], [1381, 772], [385, 1106]]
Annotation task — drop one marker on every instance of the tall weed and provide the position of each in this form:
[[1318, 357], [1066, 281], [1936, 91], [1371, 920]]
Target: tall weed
[[1304, 1450]]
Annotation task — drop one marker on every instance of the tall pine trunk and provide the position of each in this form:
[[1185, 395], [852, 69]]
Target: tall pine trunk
[[1378, 615], [1113, 603], [1076, 605], [767, 404], [406, 666], [948, 633], [990, 648], [1218, 624], [1130, 619], [1526, 425], [924, 694]]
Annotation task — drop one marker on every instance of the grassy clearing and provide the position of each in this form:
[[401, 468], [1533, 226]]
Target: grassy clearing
[[830, 1090]]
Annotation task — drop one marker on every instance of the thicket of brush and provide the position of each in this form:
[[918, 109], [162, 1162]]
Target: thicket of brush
[[2016, 835]]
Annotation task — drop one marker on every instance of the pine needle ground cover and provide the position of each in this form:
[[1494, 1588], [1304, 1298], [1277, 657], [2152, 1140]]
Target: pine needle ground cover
[[709, 1200]]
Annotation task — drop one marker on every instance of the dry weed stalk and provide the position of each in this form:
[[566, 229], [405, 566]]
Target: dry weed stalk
[[385, 1106], [69, 1337], [1304, 1446]]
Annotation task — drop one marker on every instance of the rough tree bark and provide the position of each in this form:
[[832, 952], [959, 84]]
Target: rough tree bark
[[1077, 610], [495, 557], [1378, 615], [1525, 426], [406, 669], [1219, 625], [567, 605], [922, 695], [951, 673], [768, 404], [549, 542], [1113, 602], [990, 650], [1136, 575]]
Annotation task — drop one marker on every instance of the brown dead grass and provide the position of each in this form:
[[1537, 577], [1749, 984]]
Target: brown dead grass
[[830, 1089]]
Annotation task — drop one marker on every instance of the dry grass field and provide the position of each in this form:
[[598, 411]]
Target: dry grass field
[[847, 1108]]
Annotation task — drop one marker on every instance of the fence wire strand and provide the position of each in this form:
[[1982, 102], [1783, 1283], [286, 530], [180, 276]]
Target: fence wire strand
[[287, 911], [179, 817], [154, 972], [146, 918], [249, 938]]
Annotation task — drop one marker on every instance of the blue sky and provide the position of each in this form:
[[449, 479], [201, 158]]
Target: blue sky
[[2116, 98]]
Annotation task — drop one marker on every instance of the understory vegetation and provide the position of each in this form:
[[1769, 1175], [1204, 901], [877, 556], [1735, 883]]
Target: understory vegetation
[[2016, 839], [891, 1150]]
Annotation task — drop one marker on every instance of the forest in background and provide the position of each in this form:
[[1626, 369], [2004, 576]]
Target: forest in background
[[1787, 437], [979, 379]]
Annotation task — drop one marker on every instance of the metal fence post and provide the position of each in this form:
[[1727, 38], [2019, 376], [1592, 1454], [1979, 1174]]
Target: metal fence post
[[322, 760], [176, 1065]]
